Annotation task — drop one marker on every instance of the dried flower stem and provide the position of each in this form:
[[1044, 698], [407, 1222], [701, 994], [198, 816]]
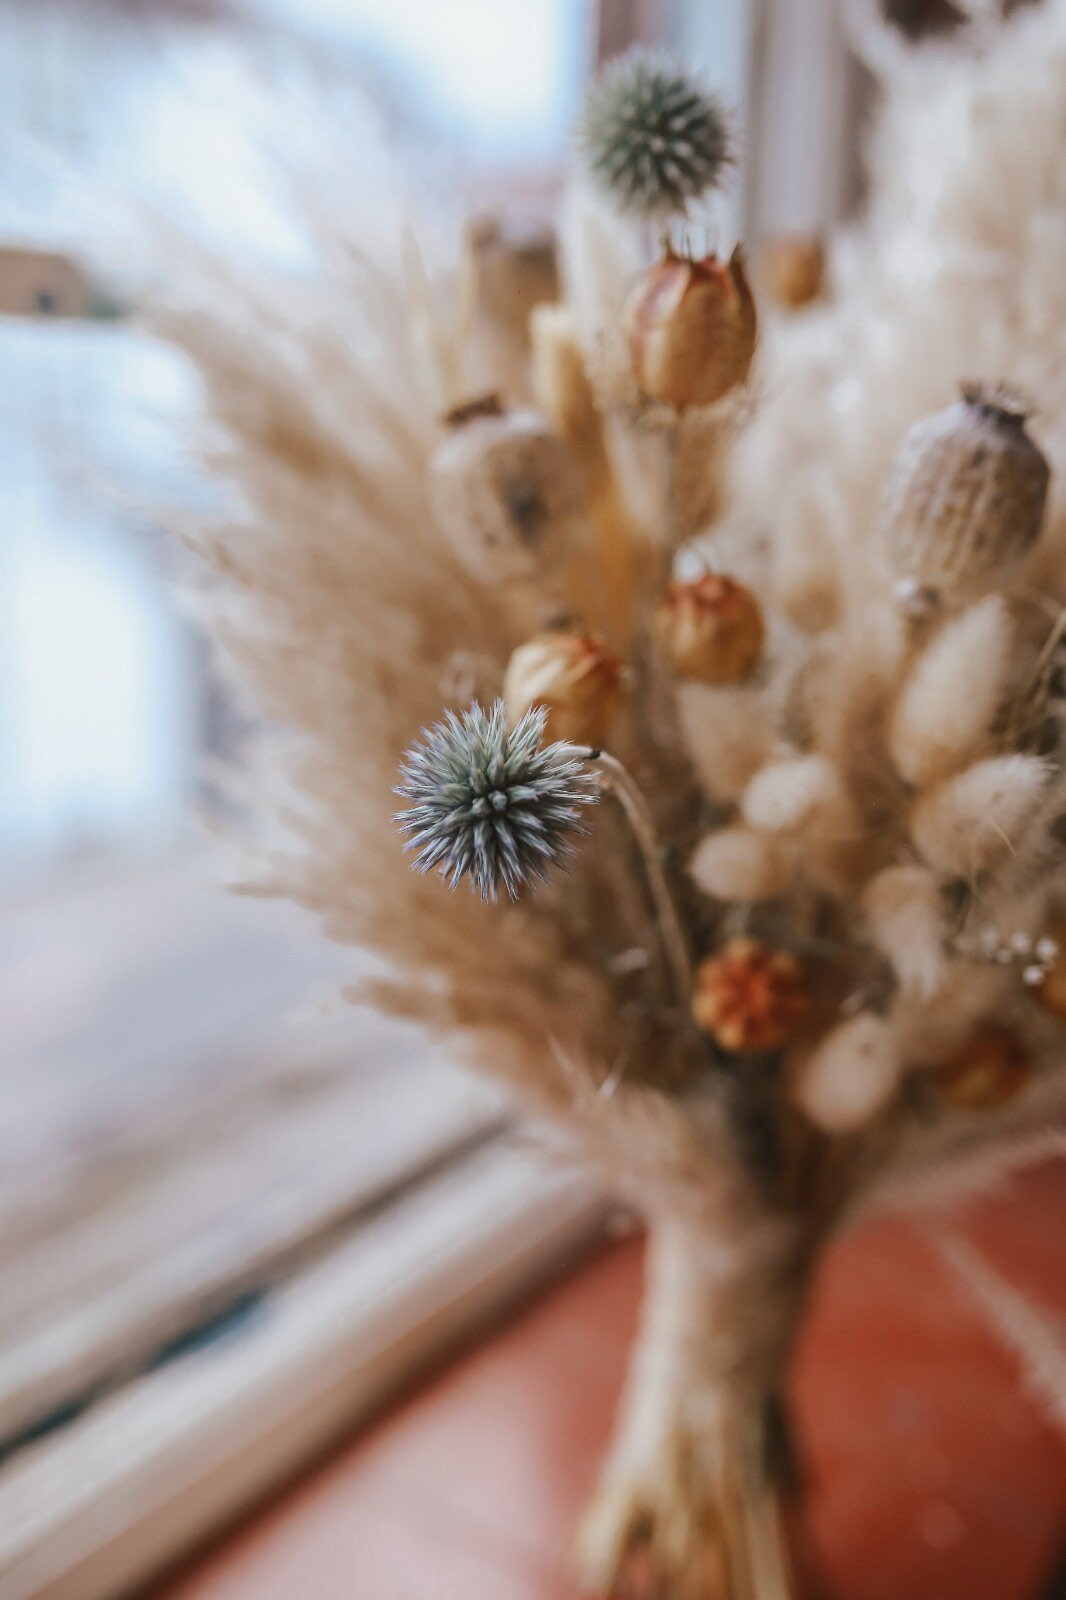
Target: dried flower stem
[[749, 1504], [617, 781], [608, 580], [672, 499]]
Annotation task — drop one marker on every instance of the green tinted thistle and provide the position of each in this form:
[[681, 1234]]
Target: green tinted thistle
[[491, 802], [653, 136]]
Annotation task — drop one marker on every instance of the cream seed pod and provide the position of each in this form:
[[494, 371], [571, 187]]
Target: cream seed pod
[[710, 630], [574, 677], [691, 327], [965, 497], [738, 864], [797, 793], [727, 733], [850, 1076], [508, 493]]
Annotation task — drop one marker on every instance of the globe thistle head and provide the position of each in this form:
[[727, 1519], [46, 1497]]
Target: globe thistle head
[[491, 802], [653, 136]]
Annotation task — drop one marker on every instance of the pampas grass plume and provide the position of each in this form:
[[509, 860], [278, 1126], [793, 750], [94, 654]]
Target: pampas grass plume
[[970, 823], [727, 736], [906, 920], [947, 706]]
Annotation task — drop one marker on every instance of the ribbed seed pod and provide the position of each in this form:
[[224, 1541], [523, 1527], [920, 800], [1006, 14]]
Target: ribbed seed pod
[[509, 493], [965, 498]]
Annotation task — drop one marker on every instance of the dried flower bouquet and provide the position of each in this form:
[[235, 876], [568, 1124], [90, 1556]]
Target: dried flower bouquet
[[793, 618]]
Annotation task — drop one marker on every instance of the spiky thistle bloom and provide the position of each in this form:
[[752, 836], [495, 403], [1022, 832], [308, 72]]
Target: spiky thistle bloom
[[492, 801], [653, 135]]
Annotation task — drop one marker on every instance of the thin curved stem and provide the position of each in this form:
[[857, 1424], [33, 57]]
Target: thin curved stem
[[617, 781]]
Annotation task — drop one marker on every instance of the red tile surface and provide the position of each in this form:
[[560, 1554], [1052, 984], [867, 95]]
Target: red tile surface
[[933, 1472]]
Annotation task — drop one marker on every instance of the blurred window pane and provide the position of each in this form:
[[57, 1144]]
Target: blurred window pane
[[176, 1134]]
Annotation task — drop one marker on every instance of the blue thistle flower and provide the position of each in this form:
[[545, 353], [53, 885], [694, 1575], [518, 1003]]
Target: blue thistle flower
[[653, 136], [492, 802]]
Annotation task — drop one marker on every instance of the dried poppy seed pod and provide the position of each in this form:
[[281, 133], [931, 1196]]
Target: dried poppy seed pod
[[710, 630], [992, 1068], [965, 497], [691, 328], [508, 492], [749, 996], [575, 677]]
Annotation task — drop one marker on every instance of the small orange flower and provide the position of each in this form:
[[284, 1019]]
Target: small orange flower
[[711, 629], [750, 996], [691, 327], [991, 1070]]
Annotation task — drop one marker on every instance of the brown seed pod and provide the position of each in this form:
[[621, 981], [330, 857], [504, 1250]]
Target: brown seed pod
[[750, 996], [965, 497], [691, 327], [710, 630], [574, 676], [792, 268], [508, 492], [992, 1068]]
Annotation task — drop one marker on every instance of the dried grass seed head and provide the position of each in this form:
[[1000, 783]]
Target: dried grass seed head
[[654, 136], [493, 803]]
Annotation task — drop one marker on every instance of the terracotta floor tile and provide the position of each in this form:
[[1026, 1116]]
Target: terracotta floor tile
[[933, 1474]]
